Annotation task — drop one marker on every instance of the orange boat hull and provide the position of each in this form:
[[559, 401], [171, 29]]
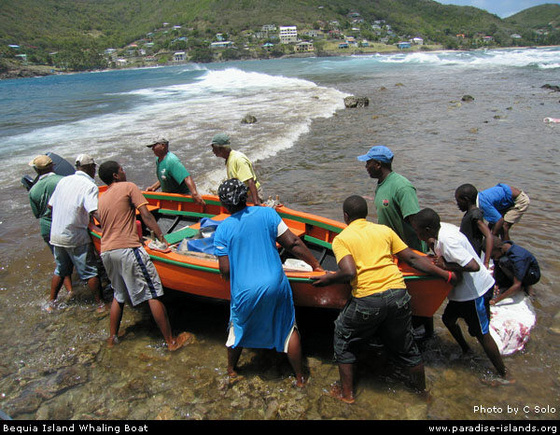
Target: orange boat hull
[[198, 274]]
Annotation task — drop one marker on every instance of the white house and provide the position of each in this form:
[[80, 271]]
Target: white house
[[288, 34], [179, 56]]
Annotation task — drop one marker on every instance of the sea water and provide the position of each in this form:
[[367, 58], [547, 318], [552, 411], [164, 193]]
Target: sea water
[[304, 146]]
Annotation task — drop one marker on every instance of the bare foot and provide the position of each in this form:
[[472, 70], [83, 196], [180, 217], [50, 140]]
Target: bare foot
[[101, 308], [496, 381], [300, 381], [336, 392], [181, 340], [111, 341]]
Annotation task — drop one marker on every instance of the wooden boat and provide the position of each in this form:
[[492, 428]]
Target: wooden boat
[[197, 273]]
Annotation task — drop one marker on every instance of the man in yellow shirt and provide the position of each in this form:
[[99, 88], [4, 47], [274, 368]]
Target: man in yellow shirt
[[380, 303], [237, 166]]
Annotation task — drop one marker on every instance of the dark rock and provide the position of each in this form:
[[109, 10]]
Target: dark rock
[[351, 102], [467, 98], [551, 87], [249, 119]]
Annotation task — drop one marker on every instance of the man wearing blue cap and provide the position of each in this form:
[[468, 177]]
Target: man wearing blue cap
[[396, 204], [395, 197]]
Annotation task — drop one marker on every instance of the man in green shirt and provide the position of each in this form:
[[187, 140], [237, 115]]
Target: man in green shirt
[[395, 197], [396, 204], [237, 166], [39, 196], [172, 175]]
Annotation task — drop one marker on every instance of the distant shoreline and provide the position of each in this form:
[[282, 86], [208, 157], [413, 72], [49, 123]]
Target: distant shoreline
[[31, 71]]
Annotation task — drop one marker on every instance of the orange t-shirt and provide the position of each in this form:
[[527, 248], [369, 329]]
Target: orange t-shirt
[[117, 213]]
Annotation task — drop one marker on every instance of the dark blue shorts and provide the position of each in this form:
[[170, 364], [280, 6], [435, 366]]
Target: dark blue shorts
[[475, 313], [387, 315]]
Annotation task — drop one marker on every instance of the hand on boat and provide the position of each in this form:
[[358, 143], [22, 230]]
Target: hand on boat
[[157, 245], [322, 280]]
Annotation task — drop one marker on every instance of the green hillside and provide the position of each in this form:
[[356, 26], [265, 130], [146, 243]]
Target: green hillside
[[74, 34], [538, 17]]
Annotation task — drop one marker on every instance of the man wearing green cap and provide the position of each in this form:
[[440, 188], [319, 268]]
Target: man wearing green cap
[[172, 175], [39, 196], [237, 165]]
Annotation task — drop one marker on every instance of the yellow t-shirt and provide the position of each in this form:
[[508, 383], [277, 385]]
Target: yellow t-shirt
[[240, 167], [372, 247]]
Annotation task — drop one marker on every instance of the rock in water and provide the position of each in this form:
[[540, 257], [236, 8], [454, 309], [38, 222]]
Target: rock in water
[[351, 102], [249, 119]]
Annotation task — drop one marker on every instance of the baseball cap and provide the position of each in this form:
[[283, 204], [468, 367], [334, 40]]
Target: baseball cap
[[220, 139], [41, 162], [379, 152], [84, 159], [158, 140]]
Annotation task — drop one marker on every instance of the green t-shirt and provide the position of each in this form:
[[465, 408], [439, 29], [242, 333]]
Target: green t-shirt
[[39, 196], [395, 199], [171, 174]]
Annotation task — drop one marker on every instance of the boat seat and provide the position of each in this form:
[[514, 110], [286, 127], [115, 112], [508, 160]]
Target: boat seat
[[177, 236]]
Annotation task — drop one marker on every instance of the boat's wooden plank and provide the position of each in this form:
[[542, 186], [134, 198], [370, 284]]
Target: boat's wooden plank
[[177, 236]]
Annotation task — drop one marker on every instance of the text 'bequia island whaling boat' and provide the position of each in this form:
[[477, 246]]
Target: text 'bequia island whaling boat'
[[190, 267]]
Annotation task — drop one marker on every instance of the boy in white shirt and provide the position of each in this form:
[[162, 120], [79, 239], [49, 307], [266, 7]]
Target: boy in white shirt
[[470, 297]]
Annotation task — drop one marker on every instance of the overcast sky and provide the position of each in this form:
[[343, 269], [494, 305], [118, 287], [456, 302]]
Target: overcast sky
[[502, 8]]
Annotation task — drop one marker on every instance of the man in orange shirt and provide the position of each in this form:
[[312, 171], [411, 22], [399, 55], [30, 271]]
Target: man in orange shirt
[[128, 265]]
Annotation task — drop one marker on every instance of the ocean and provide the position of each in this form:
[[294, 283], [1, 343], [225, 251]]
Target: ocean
[[304, 146]]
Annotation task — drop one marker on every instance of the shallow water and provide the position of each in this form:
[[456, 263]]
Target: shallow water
[[57, 367]]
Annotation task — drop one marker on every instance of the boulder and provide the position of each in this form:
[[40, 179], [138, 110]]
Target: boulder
[[551, 87], [467, 98], [351, 102], [249, 119]]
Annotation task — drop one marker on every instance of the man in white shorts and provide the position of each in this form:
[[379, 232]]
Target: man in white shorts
[[128, 265]]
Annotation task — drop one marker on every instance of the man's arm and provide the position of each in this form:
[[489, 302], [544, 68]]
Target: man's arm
[[497, 228], [254, 192], [194, 192], [425, 264], [346, 273], [488, 239], [151, 223], [295, 245], [154, 187], [223, 262], [515, 287]]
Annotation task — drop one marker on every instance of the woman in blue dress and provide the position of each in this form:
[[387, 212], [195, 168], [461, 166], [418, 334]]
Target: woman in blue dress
[[262, 311]]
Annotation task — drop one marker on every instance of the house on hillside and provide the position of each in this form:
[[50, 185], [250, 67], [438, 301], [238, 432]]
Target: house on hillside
[[268, 46], [404, 44], [304, 47], [222, 44], [288, 34], [179, 56]]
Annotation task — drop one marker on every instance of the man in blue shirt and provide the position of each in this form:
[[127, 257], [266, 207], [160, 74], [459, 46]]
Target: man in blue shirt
[[515, 269], [503, 206]]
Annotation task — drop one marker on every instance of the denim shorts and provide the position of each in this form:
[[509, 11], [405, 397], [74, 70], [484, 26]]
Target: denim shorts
[[386, 315], [81, 258]]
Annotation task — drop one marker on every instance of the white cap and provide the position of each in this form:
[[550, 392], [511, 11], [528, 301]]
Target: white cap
[[84, 159]]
